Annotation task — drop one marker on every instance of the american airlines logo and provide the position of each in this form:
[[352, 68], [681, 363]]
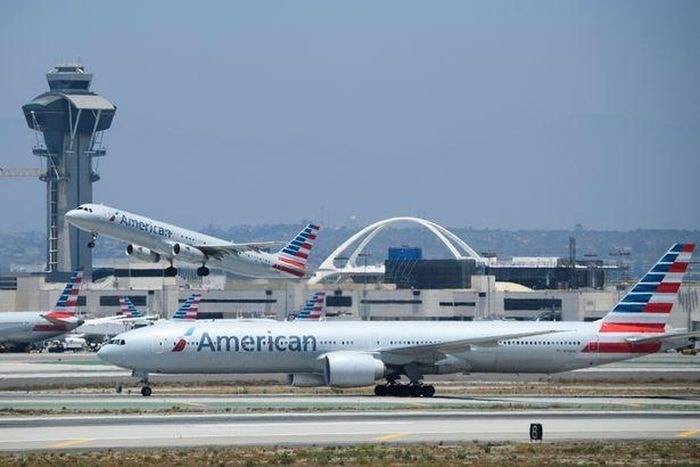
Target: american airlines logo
[[259, 343], [144, 226]]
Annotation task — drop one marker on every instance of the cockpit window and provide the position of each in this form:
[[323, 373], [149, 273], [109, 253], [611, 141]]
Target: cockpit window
[[117, 341], [84, 208]]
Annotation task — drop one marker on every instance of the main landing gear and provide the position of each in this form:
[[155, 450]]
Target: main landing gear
[[202, 271], [170, 271], [416, 388], [404, 390]]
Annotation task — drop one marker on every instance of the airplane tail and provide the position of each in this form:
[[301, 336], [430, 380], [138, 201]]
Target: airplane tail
[[646, 307], [313, 310], [189, 309], [128, 308], [64, 312], [68, 301], [293, 257]]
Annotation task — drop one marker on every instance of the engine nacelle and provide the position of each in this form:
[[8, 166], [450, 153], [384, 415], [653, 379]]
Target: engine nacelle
[[142, 253], [351, 369], [305, 380], [188, 254]]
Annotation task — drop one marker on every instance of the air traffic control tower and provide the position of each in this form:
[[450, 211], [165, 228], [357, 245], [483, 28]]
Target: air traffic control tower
[[69, 121]]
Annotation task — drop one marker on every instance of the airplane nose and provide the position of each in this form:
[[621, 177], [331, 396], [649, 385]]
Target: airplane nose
[[110, 354]]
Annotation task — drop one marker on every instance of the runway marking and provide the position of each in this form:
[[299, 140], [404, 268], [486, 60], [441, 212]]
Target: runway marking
[[391, 436], [687, 434], [70, 442]]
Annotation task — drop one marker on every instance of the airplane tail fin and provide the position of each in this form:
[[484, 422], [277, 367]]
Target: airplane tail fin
[[68, 301], [293, 257], [647, 305], [128, 308], [313, 310], [189, 309]]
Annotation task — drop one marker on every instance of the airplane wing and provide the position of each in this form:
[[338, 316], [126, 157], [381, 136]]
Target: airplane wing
[[663, 337], [430, 353], [218, 251]]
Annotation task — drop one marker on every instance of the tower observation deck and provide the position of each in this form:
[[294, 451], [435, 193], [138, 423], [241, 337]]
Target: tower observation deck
[[69, 121]]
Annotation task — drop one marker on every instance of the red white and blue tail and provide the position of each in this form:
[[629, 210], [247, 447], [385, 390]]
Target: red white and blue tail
[[63, 315], [128, 309], [189, 309], [646, 307], [313, 310], [68, 301], [291, 259]]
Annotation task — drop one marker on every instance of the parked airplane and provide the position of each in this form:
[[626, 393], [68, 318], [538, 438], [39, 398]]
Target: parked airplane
[[98, 329], [314, 308], [19, 329], [357, 353], [152, 240]]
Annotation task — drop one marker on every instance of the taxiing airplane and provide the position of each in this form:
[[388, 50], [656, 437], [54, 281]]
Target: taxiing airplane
[[314, 308], [358, 353], [151, 240], [20, 329]]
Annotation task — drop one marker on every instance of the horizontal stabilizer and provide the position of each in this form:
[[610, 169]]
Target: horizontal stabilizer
[[663, 337]]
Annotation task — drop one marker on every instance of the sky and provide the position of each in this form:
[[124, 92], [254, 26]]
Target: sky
[[490, 114]]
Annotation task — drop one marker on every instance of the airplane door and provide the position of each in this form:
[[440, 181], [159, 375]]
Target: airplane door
[[594, 344]]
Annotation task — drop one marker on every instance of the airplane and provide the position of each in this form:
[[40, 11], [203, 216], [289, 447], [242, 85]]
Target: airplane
[[98, 329], [151, 240], [19, 329], [313, 309], [358, 353]]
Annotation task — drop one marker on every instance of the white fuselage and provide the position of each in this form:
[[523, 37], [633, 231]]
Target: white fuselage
[[26, 327], [251, 346], [161, 237]]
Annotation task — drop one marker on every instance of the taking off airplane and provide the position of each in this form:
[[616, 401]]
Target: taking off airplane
[[151, 240], [358, 353]]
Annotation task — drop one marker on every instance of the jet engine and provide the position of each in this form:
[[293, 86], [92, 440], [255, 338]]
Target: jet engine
[[351, 369], [188, 253], [142, 253], [305, 380]]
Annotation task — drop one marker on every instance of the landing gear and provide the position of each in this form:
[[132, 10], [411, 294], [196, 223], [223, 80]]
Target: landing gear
[[203, 271], [146, 389], [415, 388], [91, 243], [404, 390], [171, 271]]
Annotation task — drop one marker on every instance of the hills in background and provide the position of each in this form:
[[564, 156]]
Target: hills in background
[[25, 251]]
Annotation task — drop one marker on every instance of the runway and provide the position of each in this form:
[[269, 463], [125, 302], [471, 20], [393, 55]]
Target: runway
[[21, 371], [64, 402], [115, 432]]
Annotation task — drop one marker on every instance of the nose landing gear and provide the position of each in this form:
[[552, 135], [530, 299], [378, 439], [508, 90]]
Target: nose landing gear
[[145, 389], [91, 243]]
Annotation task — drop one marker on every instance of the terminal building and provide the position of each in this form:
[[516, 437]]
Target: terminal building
[[405, 287]]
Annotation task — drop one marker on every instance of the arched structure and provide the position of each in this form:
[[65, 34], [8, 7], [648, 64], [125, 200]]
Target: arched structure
[[457, 247]]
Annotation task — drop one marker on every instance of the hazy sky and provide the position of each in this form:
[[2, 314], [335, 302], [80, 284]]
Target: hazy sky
[[490, 114]]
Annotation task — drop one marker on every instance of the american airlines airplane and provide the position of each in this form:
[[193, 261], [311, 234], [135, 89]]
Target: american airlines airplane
[[19, 329], [314, 308], [98, 329], [151, 240], [358, 353]]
